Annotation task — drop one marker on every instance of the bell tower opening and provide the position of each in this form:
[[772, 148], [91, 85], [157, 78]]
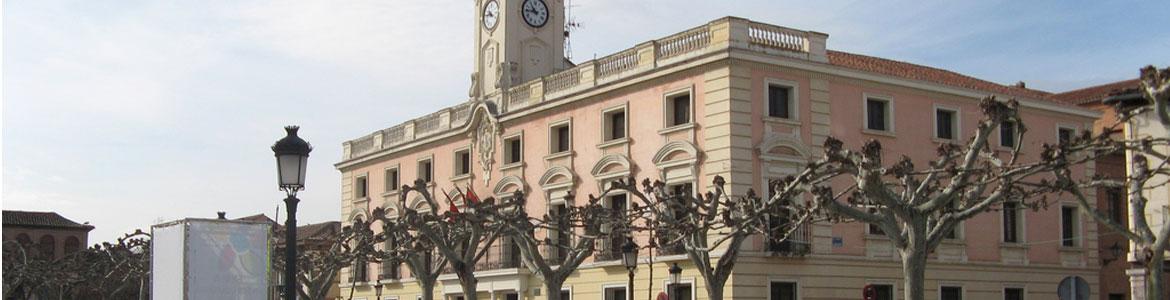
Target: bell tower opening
[[516, 41]]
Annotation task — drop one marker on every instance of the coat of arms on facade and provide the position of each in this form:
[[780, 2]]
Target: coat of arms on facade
[[484, 139]]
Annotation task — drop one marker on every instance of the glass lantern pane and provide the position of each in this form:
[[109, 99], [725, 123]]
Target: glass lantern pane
[[289, 167]]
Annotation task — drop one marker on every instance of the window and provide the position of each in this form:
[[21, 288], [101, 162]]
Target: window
[[874, 229], [615, 124], [390, 267], [1114, 297], [778, 290], [679, 110], [883, 291], [617, 204], [680, 291], [559, 238], [685, 188], [392, 179], [1068, 226], [48, 246], [945, 124], [615, 293], [463, 162], [950, 293], [508, 296], [1065, 134], [1011, 222], [359, 271], [877, 114], [512, 150], [1013, 294], [566, 295], [425, 170], [1007, 134], [780, 101], [1116, 202], [72, 245], [360, 187], [559, 137]]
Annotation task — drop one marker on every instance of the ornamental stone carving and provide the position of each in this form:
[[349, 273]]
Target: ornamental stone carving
[[484, 141]]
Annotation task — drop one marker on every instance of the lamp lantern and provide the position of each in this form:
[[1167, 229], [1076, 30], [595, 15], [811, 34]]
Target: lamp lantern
[[292, 157]]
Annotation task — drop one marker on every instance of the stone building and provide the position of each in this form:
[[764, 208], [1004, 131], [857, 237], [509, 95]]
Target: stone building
[[737, 98], [47, 234]]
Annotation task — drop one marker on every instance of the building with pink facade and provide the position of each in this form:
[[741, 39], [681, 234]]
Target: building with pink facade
[[736, 98]]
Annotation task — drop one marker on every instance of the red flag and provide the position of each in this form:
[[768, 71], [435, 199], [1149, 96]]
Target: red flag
[[454, 209], [470, 196]]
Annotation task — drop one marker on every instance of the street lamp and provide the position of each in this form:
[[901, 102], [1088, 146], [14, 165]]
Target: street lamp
[[675, 278], [292, 154], [378, 290], [630, 259]]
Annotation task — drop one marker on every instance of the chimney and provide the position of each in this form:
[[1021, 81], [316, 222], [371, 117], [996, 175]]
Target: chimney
[[222, 215]]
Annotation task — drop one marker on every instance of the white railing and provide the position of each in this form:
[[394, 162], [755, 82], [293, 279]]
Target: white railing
[[393, 136], [777, 37], [428, 125], [562, 81], [686, 42], [520, 96], [460, 115], [617, 63], [363, 145]]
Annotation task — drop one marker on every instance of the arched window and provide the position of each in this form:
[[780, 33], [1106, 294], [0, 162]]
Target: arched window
[[23, 239], [47, 245], [72, 244]]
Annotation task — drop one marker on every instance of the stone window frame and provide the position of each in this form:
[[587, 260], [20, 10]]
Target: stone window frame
[[793, 100], [889, 114], [956, 123]]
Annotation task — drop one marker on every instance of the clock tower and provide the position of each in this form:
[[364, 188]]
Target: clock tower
[[516, 41]]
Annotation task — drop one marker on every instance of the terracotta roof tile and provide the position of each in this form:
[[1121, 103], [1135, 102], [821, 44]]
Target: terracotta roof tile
[[40, 219], [929, 74], [1095, 93]]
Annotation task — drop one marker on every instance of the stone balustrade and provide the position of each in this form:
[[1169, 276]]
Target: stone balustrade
[[716, 36]]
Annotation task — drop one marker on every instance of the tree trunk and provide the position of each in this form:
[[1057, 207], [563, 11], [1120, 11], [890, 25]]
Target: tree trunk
[[553, 286], [715, 290], [428, 289], [1154, 275], [914, 256], [914, 273], [468, 282]]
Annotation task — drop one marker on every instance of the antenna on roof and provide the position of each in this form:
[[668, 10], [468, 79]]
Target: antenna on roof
[[571, 24]]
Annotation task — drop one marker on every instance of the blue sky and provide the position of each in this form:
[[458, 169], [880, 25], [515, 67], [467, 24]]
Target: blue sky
[[126, 113]]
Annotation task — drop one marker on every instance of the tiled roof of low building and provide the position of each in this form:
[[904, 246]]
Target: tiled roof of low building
[[1095, 93], [929, 74], [40, 219]]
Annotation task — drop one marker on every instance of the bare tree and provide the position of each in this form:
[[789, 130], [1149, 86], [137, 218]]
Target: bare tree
[[571, 236], [1149, 169], [463, 238], [411, 247], [703, 224], [319, 264], [917, 208], [119, 270]]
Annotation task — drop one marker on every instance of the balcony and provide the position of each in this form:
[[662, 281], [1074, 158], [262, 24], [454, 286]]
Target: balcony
[[798, 243]]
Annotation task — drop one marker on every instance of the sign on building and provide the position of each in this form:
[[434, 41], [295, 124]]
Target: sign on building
[[196, 259]]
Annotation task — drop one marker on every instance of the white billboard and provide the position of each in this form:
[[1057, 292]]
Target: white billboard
[[196, 259]]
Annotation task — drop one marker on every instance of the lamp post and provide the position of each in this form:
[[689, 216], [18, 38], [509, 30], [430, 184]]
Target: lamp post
[[292, 156], [630, 259], [378, 290], [675, 278]]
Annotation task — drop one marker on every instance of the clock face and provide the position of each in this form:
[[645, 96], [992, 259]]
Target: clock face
[[491, 14], [535, 12]]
